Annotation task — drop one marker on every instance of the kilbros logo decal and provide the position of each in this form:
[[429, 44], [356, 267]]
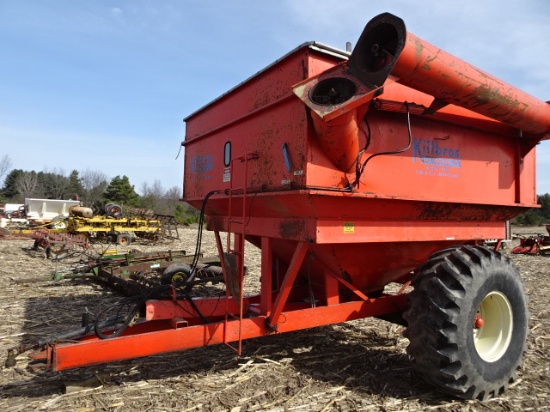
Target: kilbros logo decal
[[437, 158], [202, 165]]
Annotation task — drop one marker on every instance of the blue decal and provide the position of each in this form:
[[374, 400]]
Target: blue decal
[[438, 159], [201, 164]]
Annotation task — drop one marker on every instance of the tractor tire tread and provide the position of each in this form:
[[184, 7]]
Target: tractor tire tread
[[438, 307]]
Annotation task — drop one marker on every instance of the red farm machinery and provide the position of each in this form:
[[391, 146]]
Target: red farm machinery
[[369, 181]]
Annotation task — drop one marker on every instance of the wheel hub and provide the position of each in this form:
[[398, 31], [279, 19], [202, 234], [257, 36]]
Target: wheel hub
[[493, 325]]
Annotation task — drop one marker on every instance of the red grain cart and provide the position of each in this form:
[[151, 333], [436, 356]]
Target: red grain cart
[[350, 172]]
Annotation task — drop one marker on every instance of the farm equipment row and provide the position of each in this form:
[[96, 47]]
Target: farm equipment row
[[536, 244], [82, 225], [108, 229], [323, 161], [135, 272]]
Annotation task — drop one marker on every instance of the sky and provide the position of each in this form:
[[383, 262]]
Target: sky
[[105, 85]]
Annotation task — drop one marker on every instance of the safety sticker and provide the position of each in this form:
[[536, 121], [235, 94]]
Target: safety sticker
[[227, 174], [349, 227]]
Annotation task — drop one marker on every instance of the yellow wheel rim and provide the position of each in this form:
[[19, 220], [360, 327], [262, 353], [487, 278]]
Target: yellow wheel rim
[[179, 279], [493, 325]]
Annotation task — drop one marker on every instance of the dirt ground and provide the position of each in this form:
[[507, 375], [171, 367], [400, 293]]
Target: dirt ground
[[360, 365]]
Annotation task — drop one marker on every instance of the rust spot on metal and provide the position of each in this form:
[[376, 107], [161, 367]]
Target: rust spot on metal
[[418, 46], [292, 229], [463, 212], [232, 275]]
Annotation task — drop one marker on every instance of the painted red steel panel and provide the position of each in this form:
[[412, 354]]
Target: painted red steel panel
[[461, 178], [159, 337]]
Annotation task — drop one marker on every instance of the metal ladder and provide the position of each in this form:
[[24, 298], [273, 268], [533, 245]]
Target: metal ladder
[[234, 256]]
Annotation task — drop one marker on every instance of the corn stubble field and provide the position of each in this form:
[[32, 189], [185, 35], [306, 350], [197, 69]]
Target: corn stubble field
[[360, 365]]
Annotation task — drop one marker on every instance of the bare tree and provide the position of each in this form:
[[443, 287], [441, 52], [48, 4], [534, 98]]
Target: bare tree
[[156, 190], [173, 194], [27, 184], [152, 196], [162, 201], [172, 198], [95, 183], [56, 183], [5, 165]]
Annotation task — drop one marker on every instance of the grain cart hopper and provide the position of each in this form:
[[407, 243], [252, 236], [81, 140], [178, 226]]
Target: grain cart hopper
[[352, 172]]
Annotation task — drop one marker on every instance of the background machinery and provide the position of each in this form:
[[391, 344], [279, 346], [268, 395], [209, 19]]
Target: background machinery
[[66, 221]]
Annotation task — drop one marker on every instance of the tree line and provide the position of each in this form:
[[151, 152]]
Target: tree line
[[93, 188], [536, 217]]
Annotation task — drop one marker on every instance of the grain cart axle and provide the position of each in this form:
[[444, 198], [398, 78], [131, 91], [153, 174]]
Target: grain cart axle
[[351, 172]]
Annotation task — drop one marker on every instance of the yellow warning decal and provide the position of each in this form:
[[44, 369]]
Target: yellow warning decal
[[349, 227]]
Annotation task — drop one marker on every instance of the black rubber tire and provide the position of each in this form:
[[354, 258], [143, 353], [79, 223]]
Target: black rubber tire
[[176, 274], [124, 239], [107, 208], [113, 210], [448, 291]]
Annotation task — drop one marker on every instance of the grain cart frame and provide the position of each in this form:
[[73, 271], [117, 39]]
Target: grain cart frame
[[350, 173]]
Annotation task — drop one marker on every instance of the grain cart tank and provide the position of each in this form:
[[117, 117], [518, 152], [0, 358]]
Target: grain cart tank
[[357, 175], [388, 159]]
